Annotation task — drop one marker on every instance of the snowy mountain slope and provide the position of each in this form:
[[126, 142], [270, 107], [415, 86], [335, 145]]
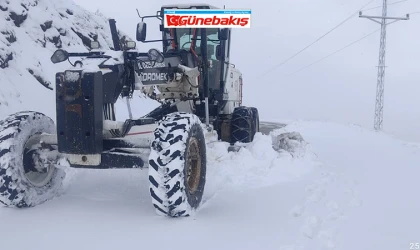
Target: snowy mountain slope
[[350, 188], [30, 31]]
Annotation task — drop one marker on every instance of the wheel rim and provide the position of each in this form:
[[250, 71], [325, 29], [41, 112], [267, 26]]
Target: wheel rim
[[193, 165], [32, 173]]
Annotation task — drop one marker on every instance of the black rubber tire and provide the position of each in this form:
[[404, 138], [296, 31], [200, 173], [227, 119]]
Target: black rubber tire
[[242, 125], [256, 121], [168, 165], [15, 188]]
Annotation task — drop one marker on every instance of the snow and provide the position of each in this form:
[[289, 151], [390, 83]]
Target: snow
[[343, 187], [350, 188], [72, 76], [187, 6]]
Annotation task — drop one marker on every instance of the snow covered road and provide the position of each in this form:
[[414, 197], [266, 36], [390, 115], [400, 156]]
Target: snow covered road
[[350, 188], [267, 127]]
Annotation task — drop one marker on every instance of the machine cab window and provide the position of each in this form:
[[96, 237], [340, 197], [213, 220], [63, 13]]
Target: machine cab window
[[189, 39]]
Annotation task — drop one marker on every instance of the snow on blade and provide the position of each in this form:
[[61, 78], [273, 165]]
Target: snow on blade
[[255, 165], [72, 76]]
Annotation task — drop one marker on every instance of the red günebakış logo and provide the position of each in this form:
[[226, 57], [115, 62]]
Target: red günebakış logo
[[189, 20]]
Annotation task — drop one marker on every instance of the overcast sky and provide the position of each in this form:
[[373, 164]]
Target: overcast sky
[[341, 88]]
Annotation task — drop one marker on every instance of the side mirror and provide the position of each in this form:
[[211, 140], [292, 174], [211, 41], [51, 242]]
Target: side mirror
[[59, 56], [156, 55], [219, 52], [141, 32], [223, 34]]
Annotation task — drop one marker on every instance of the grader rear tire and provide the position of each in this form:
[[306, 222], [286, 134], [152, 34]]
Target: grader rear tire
[[255, 121], [243, 126]]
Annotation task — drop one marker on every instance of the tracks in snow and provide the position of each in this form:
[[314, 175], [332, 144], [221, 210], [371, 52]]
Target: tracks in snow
[[329, 200]]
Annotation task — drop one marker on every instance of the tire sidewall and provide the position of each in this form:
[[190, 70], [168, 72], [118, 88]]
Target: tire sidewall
[[256, 119], [29, 195], [194, 200], [255, 122]]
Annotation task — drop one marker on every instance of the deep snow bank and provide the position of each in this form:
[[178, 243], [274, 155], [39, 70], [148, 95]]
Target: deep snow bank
[[257, 164], [30, 31], [343, 188], [368, 187], [349, 188]]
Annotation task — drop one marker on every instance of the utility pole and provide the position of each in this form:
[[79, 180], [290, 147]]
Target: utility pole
[[379, 105]]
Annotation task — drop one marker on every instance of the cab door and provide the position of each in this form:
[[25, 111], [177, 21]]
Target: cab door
[[215, 64]]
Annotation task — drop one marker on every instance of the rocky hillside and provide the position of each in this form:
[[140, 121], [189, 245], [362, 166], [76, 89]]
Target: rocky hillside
[[30, 31]]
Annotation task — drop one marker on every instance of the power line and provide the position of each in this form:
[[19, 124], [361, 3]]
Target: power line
[[377, 7], [317, 40], [380, 84], [328, 56]]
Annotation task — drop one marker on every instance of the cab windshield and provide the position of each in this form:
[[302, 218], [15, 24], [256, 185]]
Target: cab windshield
[[184, 40]]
